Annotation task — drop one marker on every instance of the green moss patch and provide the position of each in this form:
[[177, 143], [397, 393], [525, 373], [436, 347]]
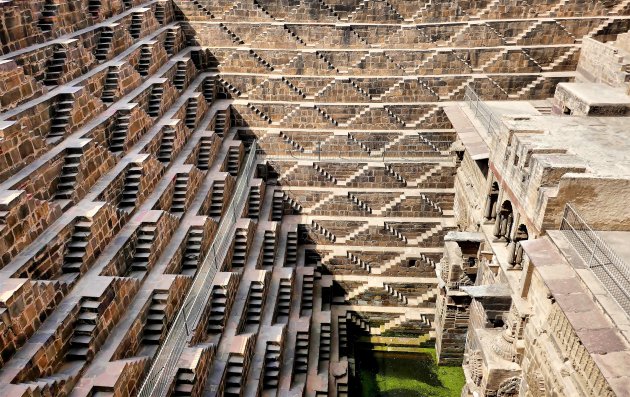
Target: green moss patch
[[395, 374]]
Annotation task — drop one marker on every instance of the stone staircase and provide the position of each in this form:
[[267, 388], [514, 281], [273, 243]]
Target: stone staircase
[[269, 249], [390, 170], [144, 62], [131, 187], [427, 176], [55, 67], [262, 61], [145, 236], [240, 249], [254, 202], [178, 204], [104, 46], [169, 41], [179, 78], [135, 27], [75, 248], [293, 87], [362, 170], [191, 112], [69, 174], [255, 302], [84, 331], [291, 252], [167, 142], [388, 207], [425, 235], [277, 205], [155, 323], [61, 117], [48, 15], [260, 113], [322, 230], [306, 303], [110, 87], [237, 40], [283, 305], [396, 261], [300, 363], [118, 136], [360, 203], [231, 88], [325, 173], [358, 291], [562, 58], [272, 366], [326, 115], [402, 298], [219, 307], [205, 151], [220, 122], [154, 106], [359, 262], [363, 228], [320, 203], [233, 161], [191, 256], [523, 91], [234, 373]]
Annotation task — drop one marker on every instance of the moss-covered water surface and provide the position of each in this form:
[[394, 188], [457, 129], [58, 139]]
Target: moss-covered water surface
[[396, 374]]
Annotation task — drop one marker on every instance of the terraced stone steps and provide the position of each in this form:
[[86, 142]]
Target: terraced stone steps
[[103, 49], [155, 323], [192, 252], [111, 85], [61, 117], [73, 259], [273, 358], [131, 188]]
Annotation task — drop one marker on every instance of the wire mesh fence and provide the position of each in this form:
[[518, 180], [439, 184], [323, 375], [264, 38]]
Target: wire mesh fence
[[164, 366], [611, 270]]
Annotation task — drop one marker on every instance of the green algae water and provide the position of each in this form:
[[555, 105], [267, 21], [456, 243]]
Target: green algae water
[[400, 374]]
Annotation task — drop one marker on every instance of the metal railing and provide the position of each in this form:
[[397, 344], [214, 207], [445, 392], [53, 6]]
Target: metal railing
[[482, 111], [162, 371], [611, 270]]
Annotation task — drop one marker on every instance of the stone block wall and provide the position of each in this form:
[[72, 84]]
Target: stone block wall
[[23, 219], [15, 86], [24, 310], [603, 63]]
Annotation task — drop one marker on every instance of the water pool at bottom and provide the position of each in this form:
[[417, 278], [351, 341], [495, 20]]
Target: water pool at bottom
[[396, 374]]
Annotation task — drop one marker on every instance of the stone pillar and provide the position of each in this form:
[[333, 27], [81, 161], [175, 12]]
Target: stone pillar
[[518, 260], [507, 226], [511, 253], [497, 226], [488, 211]]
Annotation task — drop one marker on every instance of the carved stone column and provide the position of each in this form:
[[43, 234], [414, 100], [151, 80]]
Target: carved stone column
[[488, 211], [511, 253], [497, 226]]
